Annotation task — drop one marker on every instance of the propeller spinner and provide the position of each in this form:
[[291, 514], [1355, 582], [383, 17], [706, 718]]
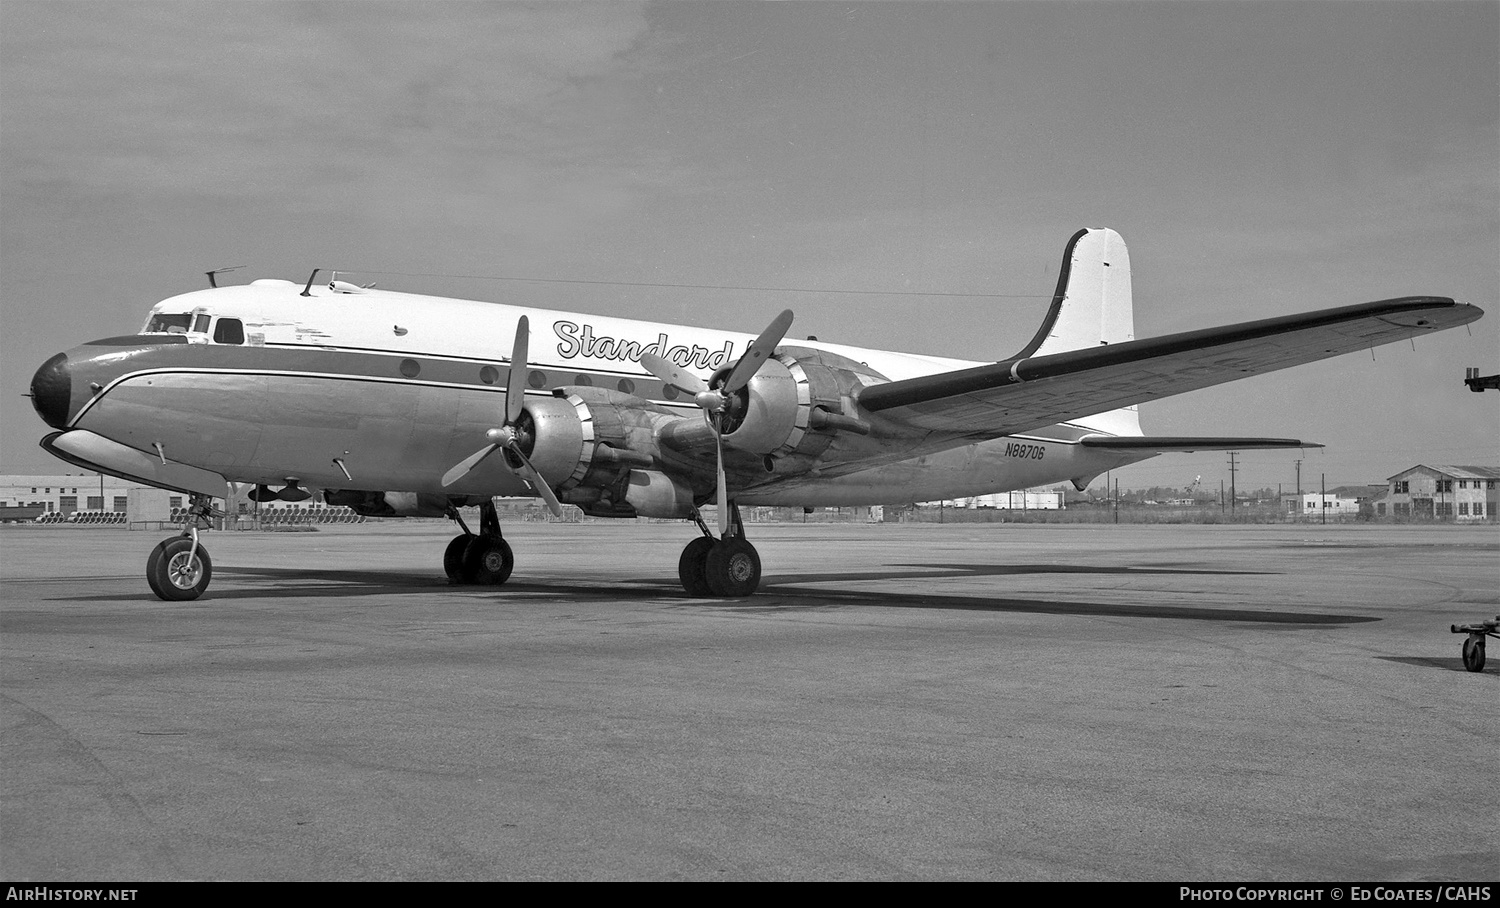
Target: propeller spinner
[[507, 436], [714, 399]]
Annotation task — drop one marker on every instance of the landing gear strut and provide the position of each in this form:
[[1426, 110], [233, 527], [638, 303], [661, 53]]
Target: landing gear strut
[[727, 567], [484, 558], [179, 569]]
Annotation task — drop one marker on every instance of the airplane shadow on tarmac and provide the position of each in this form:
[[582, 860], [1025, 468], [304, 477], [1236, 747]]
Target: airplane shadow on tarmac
[[1454, 663], [780, 592]]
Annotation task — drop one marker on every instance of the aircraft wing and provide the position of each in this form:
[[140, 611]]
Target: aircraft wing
[[1017, 395]]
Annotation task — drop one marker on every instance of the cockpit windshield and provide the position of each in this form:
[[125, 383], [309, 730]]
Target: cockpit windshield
[[196, 326], [162, 323]]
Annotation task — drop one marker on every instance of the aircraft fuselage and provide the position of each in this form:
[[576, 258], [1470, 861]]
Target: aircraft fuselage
[[379, 390]]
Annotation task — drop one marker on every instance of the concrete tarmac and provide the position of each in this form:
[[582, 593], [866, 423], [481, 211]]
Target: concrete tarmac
[[1187, 703]]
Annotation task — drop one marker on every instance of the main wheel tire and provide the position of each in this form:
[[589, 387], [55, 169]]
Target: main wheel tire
[[152, 561], [453, 557], [691, 567], [488, 561], [1474, 655], [176, 577], [732, 568]]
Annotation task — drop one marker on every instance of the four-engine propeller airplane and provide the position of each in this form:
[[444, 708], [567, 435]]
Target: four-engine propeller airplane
[[394, 404]]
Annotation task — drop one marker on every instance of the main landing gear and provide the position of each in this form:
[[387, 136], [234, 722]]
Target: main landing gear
[[484, 558], [727, 567], [179, 569]]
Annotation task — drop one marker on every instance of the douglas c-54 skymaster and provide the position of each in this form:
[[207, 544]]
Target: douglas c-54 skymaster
[[403, 405]]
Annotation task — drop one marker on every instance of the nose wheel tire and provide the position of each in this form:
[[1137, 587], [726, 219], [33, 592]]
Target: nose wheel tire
[[487, 560], [176, 572]]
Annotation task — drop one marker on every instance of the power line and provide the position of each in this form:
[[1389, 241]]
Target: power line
[[552, 280]]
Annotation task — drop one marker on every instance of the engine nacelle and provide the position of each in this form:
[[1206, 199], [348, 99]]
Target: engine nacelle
[[398, 504], [766, 412], [560, 440], [796, 404]]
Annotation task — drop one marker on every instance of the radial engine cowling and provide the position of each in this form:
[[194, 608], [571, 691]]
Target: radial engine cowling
[[558, 438], [796, 403], [763, 415]]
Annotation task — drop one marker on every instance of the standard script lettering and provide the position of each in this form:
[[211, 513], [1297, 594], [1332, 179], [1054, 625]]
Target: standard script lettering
[[580, 340]]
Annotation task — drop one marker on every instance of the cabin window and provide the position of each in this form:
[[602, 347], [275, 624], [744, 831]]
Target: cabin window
[[229, 331], [162, 323]]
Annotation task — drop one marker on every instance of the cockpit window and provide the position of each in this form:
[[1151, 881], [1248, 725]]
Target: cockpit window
[[162, 323], [229, 331], [200, 324]]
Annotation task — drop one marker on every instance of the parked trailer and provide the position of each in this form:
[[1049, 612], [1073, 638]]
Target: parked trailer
[[1474, 643]]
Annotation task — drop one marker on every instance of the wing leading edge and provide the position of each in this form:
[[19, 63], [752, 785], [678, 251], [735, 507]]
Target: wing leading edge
[[1020, 394]]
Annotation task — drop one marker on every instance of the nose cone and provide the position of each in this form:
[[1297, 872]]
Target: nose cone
[[52, 391]]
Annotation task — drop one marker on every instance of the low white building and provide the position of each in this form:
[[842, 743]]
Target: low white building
[[1339, 502], [66, 493], [1018, 500]]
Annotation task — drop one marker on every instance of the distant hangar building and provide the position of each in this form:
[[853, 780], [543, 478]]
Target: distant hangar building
[[1443, 493]]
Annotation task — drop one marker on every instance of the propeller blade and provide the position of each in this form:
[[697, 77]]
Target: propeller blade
[[673, 374], [468, 464], [515, 386], [533, 478], [759, 351]]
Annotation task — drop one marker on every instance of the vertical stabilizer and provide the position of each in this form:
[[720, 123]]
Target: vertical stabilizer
[[1091, 308], [1092, 304]]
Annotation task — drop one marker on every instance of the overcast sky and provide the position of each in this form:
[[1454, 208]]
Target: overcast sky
[[1259, 159]]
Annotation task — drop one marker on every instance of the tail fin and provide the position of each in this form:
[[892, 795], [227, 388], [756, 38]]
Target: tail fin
[[1091, 307], [1092, 304]]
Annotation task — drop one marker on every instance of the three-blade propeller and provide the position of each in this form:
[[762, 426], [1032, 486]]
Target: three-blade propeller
[[507, 436], [714, 399]]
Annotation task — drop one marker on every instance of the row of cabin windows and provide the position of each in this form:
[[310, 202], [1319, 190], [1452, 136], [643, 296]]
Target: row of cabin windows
[[226, 330]]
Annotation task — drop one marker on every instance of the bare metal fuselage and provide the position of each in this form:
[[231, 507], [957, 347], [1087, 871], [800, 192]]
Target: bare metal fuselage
[[380, 390]]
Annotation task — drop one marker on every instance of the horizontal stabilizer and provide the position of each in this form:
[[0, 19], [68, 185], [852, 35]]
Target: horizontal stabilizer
[[1165, 443]]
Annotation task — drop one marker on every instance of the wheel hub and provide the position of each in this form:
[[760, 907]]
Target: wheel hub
[[741, 567], [184, 571]]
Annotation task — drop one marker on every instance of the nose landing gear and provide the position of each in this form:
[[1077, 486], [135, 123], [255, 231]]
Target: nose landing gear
[[179, 569], [728, 567]]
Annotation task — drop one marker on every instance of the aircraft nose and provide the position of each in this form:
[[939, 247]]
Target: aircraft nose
[[52, 391]]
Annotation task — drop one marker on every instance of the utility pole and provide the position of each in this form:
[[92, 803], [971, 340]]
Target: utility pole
[[1323, 494], [1232, 455], [1117, 501], [1300, 503]]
